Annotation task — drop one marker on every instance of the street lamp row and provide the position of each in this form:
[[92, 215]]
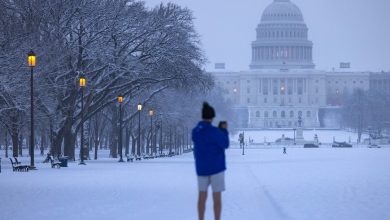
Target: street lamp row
[[83, 83], [31, 59]]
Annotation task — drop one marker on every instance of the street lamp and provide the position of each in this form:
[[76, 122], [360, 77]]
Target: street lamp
[[161, 136], [83, 82], [31, 57], [243, 143], [151, 113], [139, 108], [294, 135], [120, 100]]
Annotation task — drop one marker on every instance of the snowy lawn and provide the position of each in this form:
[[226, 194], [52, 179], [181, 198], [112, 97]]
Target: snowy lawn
[[324, 136], [304, 184]]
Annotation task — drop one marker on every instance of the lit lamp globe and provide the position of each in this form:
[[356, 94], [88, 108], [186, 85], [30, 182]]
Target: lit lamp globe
[[120, 99], [83, 81], [31, 59]]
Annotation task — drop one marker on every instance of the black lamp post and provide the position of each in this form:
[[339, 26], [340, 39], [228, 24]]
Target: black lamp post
[[83, 82], [161, 137], [151, 113], [31, 63], [294, 135], [139, 108], [120, 100], [243, 144]]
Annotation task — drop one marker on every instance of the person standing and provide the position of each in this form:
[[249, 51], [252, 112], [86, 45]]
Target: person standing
[[209, 151]]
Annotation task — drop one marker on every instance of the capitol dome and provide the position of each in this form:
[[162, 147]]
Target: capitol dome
[[282, 10], [282, 39]]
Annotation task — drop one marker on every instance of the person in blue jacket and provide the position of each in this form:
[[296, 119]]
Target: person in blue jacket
[[209, 151]]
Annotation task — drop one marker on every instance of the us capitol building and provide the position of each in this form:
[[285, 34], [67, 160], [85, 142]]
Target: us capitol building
[[283, 84]]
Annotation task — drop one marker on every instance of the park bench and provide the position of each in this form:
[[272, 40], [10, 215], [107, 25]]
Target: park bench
[[16, 167], [138, 158], [187, 151], [16, 161], [147, 157], [54, 163], [130, 158]]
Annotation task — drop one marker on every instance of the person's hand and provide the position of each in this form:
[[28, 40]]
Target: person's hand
[[223, 124]]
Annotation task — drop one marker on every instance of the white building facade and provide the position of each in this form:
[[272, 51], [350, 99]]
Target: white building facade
[[282, 82]]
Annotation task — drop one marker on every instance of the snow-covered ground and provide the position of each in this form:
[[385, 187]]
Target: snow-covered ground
[[324, 136], [310, 184]]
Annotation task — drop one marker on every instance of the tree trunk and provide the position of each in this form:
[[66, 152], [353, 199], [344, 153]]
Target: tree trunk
[[90, 138], [170, 140], [96, 147], [69, 144], [96, 137], [105, 142], [6, 144], [148, 142], [102, 141], [114, 133], [15, 142], [43, 143], [57, 143], [20, 145], [133, 144], [127, 140]]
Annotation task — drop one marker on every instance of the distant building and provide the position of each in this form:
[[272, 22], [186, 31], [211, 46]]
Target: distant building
[[220, 66], [282, 82]]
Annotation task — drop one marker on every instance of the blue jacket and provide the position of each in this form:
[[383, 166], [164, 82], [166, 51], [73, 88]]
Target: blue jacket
[[209, 148]]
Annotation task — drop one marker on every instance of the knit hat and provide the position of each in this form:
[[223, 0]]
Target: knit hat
[[207, 111]]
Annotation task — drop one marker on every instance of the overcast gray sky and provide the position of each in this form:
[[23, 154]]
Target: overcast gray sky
[[356, 31]]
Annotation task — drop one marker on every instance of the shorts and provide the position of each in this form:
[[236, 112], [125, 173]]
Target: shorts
[[217, 182]]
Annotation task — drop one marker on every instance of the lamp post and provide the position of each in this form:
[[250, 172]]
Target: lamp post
[[139, 108], [243, 144], [161, 137], [31, 63], [120, 100], [83, 82], [151, 113], [294, 135]]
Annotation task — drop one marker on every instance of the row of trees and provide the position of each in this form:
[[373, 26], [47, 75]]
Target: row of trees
[[150, 56], [367, 111]]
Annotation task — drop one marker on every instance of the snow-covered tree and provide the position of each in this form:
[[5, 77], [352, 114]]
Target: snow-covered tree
[[120, 46]]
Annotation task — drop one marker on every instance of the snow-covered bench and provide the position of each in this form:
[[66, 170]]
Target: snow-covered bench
[[54, 163], [147, 157], [17, 167], [130, 158], [187, 151]]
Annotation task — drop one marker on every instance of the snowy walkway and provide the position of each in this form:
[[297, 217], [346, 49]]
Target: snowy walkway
[[264, 184]]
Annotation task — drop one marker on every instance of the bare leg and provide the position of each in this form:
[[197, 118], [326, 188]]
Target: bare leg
[[202, 204], [217, 205]]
